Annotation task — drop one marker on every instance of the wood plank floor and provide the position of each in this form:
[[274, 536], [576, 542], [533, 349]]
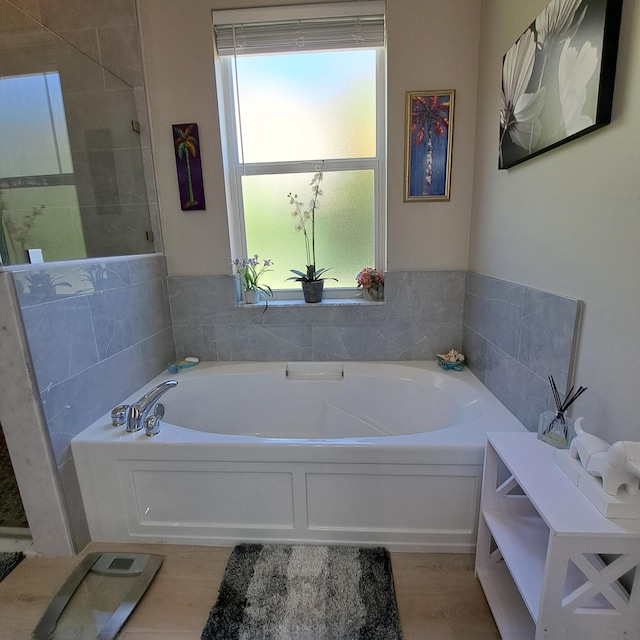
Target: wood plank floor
[[438, 596]]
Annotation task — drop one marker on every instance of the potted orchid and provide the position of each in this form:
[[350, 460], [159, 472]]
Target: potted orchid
[[312, 279], [372, 283], [248, 272]]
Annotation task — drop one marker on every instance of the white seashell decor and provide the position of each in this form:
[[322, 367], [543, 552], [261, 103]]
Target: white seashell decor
[[451, 356]]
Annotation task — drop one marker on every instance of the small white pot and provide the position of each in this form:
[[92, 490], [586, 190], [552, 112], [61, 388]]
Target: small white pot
[[251, 297]]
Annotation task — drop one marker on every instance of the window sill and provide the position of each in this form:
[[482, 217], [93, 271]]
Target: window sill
[[326, 302]]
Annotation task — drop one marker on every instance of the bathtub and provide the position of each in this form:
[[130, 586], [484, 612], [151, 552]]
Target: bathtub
[[334, 453]]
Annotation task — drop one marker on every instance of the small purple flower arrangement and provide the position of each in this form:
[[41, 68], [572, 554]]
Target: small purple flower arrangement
[[249, 271]]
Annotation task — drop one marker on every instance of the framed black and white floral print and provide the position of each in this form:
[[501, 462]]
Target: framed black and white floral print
[[558, 78]]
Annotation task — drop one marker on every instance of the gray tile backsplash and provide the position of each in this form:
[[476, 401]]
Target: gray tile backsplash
[[422, 315], [515, 337]]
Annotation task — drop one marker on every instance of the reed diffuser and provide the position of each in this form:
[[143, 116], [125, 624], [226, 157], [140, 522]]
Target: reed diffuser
[[555, 427]]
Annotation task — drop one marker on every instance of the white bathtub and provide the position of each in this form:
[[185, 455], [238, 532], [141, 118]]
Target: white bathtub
[[357, 453]]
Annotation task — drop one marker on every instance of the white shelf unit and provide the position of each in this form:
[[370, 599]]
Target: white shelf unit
[[551, 565]]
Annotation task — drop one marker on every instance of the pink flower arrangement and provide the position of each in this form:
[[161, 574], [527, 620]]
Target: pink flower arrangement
[[370, 278]]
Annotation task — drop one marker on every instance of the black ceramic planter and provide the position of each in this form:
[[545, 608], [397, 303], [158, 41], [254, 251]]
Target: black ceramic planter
[[313, 290]]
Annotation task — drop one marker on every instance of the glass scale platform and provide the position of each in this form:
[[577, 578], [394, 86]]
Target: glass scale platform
[[98, 597]]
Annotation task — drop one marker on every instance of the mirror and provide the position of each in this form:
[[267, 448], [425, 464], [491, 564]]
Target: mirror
[[72, 176]]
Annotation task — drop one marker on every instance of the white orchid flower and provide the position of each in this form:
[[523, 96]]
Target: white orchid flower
[[520, 111], [558, 22]]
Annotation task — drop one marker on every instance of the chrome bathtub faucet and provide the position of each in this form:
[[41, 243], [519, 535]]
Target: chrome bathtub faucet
[[139, 414]]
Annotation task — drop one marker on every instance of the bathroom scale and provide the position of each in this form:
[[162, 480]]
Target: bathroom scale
[[98, 596]]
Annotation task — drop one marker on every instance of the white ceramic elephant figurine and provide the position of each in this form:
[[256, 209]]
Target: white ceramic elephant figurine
[[619, 466], [584, 445]]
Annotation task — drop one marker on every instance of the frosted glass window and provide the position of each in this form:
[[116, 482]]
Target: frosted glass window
[[344, 224], [307, 105]]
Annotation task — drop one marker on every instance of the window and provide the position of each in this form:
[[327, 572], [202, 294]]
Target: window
[[298, 87]]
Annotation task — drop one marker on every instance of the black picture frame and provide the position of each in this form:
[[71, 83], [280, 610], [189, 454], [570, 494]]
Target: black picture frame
[[186, 144], [558, 78]]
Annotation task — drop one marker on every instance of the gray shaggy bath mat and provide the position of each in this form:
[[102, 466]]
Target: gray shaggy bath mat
[[282, 592], [8, 562]]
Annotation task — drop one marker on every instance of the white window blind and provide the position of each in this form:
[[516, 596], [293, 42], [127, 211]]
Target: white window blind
[[241, 33]]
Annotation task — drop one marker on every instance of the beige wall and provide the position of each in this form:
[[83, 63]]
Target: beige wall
[[422, 38], [568, 221], [432, 44]]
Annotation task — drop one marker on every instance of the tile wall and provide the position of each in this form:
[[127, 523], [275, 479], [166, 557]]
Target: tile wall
[[421, 316], [516, 337]]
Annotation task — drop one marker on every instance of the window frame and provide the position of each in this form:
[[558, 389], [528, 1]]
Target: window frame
[[234, 169]]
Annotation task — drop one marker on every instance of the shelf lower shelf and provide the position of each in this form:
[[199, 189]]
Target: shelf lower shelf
[[508, 608], [522, 537]]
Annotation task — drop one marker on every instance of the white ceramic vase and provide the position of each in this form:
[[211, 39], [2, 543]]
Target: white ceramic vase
[[251, 296]]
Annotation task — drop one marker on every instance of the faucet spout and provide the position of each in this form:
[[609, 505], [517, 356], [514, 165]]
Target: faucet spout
[[137, 412]]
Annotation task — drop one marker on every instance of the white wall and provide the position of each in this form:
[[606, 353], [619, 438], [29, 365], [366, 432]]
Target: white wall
[[432, 45], [568, 221]]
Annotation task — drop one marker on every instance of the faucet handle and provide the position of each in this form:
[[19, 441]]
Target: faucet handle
[[152, 425], [152, 422], [119, 415]]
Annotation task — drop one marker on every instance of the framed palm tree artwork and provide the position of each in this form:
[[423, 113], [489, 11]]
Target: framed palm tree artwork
[[186, 144], [558, 77], [428, 145]]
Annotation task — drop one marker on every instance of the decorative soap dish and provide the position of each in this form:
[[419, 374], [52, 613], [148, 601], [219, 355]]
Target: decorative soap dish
[[452, 360], [175, 367]]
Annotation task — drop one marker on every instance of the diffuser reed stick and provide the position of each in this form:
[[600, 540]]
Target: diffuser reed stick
[[562, 406]]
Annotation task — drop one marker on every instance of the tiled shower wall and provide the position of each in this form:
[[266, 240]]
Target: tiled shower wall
[[516, 337]]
